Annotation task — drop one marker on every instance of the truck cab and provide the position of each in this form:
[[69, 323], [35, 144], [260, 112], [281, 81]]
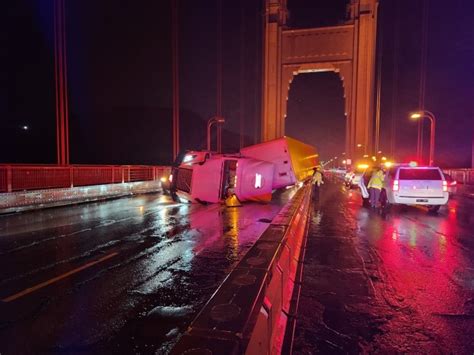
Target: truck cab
[[250, 175], [222, 176]]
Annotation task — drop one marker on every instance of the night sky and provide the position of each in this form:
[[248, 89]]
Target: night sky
[[120, 87]]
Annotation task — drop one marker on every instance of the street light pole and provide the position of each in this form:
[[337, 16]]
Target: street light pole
[[431, 117], [432, 135], [210, 122]]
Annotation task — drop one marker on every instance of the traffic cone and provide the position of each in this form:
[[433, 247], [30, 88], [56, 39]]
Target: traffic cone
[[232, 201]]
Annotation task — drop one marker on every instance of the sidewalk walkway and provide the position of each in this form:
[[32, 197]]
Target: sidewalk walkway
[[465, 190], [369, 288], [337, 293]]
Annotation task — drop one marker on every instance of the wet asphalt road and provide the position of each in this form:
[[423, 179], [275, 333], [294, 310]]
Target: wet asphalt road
[[398, 284], [122, 276]]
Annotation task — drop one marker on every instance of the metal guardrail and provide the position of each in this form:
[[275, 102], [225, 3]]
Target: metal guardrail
[[464, 176], [37, 177]]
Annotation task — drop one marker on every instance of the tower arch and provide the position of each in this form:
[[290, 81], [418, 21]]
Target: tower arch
[[348, 50]]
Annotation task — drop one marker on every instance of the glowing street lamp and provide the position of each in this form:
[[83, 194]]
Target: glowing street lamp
[[218, 120], [431, 117]]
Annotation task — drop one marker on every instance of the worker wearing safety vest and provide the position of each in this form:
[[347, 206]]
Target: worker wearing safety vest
[[317, 181], [375, 187]]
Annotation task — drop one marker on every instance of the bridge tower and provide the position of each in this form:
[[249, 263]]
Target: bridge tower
[[347, 49]]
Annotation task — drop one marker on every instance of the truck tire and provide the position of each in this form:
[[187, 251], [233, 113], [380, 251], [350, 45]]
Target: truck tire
[[174, 196]]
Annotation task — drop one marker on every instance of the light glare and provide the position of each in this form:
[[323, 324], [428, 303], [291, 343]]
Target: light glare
[[258, 181]]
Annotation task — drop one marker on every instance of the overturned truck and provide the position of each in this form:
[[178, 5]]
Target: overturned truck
[[249, 175]]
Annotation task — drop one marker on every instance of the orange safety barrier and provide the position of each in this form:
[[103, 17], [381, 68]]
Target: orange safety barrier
[[37, 177]]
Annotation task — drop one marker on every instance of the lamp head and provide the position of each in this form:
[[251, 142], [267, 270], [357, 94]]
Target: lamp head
[[415, 115]]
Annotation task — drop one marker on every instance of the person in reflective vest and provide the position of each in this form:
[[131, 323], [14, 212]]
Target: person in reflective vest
[[375, 187], [317, 181]]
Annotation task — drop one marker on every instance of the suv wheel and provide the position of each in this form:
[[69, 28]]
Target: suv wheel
[[434, 208]]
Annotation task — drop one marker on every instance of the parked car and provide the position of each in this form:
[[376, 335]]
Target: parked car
[[348, 177], [452, 184], [411, 185], [361, 180], [352, 178]]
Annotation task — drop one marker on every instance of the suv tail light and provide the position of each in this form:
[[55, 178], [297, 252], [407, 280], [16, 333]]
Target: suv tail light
[[396, 187], [445, 186]]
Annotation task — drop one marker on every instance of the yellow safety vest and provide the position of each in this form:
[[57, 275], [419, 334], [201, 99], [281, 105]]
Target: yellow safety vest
[[376, 181], [317, 178]]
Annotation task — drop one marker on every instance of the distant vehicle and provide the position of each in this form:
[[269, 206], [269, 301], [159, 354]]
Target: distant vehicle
[[353, 178], [340, 172], [452, 184], [250, 175], [362, 181], [411, 185], [348, 177]]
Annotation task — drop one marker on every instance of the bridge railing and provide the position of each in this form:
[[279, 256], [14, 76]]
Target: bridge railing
[[37, 177], [464, 176]]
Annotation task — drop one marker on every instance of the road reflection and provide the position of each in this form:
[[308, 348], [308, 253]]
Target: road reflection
[[168, 260], [425, 262]]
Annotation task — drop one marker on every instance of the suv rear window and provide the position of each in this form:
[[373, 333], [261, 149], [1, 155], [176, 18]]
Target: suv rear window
[[419, 174]]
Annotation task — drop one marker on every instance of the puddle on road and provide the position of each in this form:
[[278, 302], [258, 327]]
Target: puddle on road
[[170, 312]]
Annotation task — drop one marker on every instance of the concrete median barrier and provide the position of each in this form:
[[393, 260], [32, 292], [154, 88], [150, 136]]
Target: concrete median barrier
[[250, 310]]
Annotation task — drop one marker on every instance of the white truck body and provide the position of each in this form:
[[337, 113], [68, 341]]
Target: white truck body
[[251, 175], [294, 160]]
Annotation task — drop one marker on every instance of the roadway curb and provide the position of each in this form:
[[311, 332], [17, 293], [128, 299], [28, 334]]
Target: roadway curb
[[11, 202]]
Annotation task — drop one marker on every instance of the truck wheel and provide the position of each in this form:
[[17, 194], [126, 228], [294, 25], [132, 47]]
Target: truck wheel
[[174, 196], [434, 208]]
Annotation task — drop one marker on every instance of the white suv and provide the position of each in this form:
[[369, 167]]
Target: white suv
[[417, 186], [409, 185]]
